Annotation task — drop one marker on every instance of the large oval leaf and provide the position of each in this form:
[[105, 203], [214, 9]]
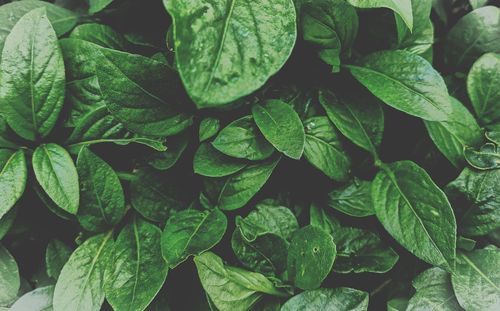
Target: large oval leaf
[[482, 85], [310, 257], [406, 82], [191, 232], [227, 49], [338, 299], [416, 212], [476, 280], [137, 271], [102, 202], [80, 285], [456, 133], [56, 173], [281, 126], [13, 175], [32, 77], [231, 288]]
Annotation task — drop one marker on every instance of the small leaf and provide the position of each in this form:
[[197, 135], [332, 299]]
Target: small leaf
[[281, 126], [212, 163], [354, 199], [13, 176], [208, 128], [56, 256], [9, 277], [310, 257], [191, 232], [39, 299], [486, 158], [338, 299], [57, 175]]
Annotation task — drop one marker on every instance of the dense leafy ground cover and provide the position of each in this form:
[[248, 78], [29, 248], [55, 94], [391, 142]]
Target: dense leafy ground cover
[[249, 155]]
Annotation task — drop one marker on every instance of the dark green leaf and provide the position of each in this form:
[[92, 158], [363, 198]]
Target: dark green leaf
[[102, 201], [281, 126], [191, 232], [242, 139], [354, 199], [323, 219], [56, 256], [416, 212], [402, 7], [233, 50], [209, 127], [32, 73], [486, 158], [137, 271], [310, 257], [164, 160], [209, 162], [57, 175], [100, 34], [323, 149], [419, 39], [406, 82]]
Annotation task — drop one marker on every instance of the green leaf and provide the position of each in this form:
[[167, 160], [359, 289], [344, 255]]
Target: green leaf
[[434, 292], [57, 175], [242, 139], [139, 92], [453, 135], [416, 212], [331, 26], [233, 50], [474, 195], [482, 85], [9, 277], [13, 176], [96, 6], [397, 304], [157, 195], [164, 160], [281, 126], [402, 7], [421, 38], [476, 279], [359, 118], [310, 257], [353, 199], [406, 82], [209, 127], [100, 34], [323, 149], [39, 299], [56, 256], [473, 35], [61, 19], [212, 163], [102, 201], [486, 158], [239, 188], [323, 219], [338, 299], [80, 284], [7, 221], [232, 288], [191, 232], [362, 251], [137, 271], [265, 218], [32, 77]]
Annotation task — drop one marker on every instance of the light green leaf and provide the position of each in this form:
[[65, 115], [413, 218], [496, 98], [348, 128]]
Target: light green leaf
[[9, 277], [39, 299], [406, 82], [359, 118], [95, 6], [242, 139], [416, 212], [310, 257], [476, 280], [231, 288], [102, 201], [434, 292], [420, 39], [13, 175], [453, 135], [233, 50], [32, 77], [209, 127], [338, 299], [483, 87], [57, 175], [281, 126], [191, 232], [323, 149], [80, 284], [137, 271], [402, 7]]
